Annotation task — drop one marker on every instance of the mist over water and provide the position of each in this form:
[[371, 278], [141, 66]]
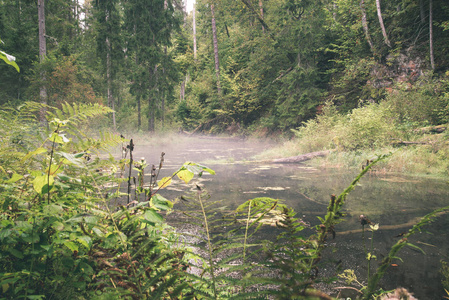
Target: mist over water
[[395, 201]]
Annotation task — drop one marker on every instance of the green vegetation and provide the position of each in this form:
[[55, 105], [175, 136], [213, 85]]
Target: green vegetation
[[413, 132], [352, 76], [62, 236]]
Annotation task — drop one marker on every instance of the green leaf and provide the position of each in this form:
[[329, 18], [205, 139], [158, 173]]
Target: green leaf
[[56, 138], [73, 159], [85, 240], [41, 183], [9, 59], [58, 226], [185, 175], [31, 238], [33, 153], [71, 245], [164, 182], [152, 216], [15, 177], [16, 253], [159, 202], [98, 231], [53, 209]]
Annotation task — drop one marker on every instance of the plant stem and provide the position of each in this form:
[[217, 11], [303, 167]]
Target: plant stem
[[131, 148], [49, 166], [246, 229], [371, 254], [206, 225]]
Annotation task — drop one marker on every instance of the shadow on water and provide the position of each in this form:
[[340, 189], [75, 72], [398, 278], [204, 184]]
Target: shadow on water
[[395, 202]]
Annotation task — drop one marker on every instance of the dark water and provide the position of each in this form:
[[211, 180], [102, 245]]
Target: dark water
[[395, 202]]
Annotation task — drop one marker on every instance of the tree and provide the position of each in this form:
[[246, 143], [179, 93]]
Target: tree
[[381, 22], [365, 26], [149, 25], [215, 41], [432, 58], [110, 44], [42, 55]]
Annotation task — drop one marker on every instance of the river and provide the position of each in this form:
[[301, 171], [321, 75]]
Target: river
[[394, 201]]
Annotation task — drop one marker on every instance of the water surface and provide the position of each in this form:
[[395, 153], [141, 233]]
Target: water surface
[[395, 202]]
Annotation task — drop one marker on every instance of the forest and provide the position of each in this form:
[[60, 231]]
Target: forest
[[364, 81], [237, 67]]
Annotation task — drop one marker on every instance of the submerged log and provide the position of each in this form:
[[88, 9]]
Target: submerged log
[[303, 157]]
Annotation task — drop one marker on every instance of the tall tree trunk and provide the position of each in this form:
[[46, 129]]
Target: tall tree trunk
[[217, 62], [194, 33], [151, 99], [432, 58], [42, 56], [139, 111], [151, 116], [381, 22], [365, 26], [422, 13], [109, 77], [261, 13], [163, 110], [184, 11]]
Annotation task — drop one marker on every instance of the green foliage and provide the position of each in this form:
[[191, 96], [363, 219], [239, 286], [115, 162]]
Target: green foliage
[[365, 127], [445, 273], [9, 59], [58, 236], [424, 105]]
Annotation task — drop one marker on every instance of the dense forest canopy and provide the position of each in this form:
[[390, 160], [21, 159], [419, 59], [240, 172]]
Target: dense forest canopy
[[226, 66]]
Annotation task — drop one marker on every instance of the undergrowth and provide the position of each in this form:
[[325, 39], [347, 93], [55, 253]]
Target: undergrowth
[[76, 224]]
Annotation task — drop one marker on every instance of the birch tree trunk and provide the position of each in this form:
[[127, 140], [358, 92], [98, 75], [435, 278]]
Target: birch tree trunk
[[261, 13], [217, 62], [365, 26], [381, 22], [432, 58], [42, 55], [194, 34]]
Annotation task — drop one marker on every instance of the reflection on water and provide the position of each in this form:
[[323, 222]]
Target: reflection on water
[[396, 202]]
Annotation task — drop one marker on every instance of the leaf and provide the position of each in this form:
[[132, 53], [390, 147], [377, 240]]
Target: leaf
[[160, 202], [42, 183], [152, 216], [71, 245], [56, 138], [15, 177], [53, 209], [164, 182], [16, 253], [33, 153], [5, 287], [185, 175], [31, 238], [10, 60], [85, 240], [197, 168], [98, 231], [73, 159], [58, 226]]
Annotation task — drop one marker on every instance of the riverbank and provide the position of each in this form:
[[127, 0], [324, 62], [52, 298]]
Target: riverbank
[[364, 134]]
